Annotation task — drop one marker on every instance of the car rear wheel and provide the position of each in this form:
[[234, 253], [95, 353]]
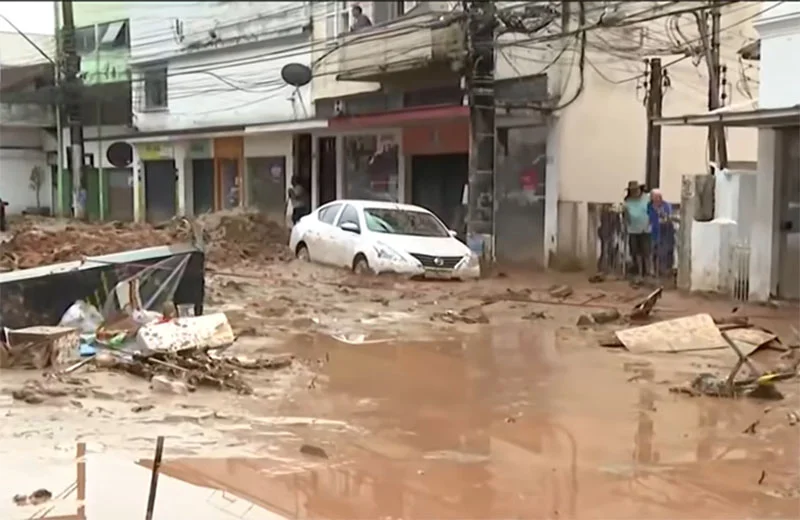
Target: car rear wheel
[[302, 253], [360, 265]]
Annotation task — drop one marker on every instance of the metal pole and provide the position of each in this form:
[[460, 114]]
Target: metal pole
[[151, 499], [59, 204], [99, 125], [73, 91], [655, 98], [479, 80]]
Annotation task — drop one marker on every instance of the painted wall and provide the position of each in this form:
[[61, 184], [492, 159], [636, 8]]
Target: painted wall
[[779, 28], [601, 136], [104, 66], [233, 78], [20, 151]]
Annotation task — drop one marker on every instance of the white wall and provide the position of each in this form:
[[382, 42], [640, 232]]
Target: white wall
[[234, 81], [20, 150], [779, 28]]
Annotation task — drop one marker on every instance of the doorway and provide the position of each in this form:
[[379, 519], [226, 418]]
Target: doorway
[[160, 191], [120, 194], [229, 179], [789, 216], [203, 186], [437, 184], [326, 186]]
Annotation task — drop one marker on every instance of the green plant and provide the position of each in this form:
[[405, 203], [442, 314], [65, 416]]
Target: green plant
[[36, 181]]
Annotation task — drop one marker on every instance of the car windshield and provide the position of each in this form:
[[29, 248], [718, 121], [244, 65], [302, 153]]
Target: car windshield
[[403, 222]]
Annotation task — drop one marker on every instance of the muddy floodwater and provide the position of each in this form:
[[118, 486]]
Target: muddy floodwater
[[416, 419]]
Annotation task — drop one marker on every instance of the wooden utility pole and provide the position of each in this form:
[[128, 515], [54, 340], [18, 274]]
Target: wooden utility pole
[[655, 100], [72, 90], [479, 82], [717, 149]]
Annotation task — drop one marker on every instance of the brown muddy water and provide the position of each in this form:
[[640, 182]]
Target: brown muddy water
[[515, 424], [504, 423]]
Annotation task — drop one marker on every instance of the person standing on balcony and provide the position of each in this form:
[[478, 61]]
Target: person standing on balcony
[[360, 20], [638, 224]]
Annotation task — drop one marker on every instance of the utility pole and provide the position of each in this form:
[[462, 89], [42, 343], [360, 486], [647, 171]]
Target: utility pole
[[716, 15], [72, 89], [479, 82], [717, 149], [59, 205], [655, 100]]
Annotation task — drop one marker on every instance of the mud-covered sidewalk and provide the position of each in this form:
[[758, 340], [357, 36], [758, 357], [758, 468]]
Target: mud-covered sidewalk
[[427, 400]]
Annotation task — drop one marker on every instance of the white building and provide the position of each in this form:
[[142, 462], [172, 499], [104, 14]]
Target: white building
[[765, 207], [26, 126]]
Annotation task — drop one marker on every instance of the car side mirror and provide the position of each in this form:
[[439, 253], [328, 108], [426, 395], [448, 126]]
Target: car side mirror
[[350, 227], [452, 233]]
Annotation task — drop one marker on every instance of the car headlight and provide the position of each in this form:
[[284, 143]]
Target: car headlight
[[472, 260], [387, 253]]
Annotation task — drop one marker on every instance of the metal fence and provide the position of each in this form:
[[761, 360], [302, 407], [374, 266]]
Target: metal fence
[[649, 256]]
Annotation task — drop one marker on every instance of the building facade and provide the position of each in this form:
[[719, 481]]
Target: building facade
[[27, 124], [396, 88], [209, 120], [758, 214]]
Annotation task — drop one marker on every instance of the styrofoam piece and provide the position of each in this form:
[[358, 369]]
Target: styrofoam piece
[[207, 331]]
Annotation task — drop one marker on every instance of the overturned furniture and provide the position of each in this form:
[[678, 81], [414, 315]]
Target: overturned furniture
[[41, 295]]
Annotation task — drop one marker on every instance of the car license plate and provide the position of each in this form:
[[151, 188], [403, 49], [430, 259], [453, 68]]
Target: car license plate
[[439, 274]]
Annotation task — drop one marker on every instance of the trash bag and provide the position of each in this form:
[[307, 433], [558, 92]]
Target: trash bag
[[83, 317]]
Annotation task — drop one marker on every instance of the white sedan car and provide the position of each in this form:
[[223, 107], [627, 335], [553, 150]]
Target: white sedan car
[[382, 237]]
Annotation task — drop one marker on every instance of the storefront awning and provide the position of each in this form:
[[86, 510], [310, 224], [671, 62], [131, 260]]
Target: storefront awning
[[762, 117], [405, 117]]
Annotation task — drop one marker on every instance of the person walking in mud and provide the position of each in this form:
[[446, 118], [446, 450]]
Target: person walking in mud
[[637, 220], [298, 195]]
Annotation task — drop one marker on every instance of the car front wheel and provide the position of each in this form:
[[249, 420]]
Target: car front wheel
[[360, 265], [302, 253]]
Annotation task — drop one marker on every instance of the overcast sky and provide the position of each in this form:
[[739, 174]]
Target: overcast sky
[[32, 17]]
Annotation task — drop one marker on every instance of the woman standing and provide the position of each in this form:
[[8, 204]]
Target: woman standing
[[298, 195], [662, 233], [638, 226]]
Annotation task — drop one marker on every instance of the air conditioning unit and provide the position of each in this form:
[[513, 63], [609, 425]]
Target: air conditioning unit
[[339, 108]]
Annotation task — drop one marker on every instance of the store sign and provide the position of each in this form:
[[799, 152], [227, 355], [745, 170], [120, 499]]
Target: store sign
[[154, 151], [200, 149]]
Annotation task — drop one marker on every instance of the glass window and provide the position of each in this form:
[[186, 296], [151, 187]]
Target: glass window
[[337, 19], [371, 167], [85, 42], [113, 35], [349, 215], [328, 213], [155, 88], [404, 222]]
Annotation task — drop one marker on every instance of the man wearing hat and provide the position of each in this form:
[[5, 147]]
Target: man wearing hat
[[637, 220]]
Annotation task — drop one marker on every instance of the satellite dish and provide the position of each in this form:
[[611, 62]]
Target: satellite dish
[[120, 154], [296, 74]]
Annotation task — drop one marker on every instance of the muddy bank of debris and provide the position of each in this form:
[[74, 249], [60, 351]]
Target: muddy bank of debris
[[228, 237], [244, 236]]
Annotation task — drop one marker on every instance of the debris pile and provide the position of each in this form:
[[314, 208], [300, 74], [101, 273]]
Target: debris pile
[[195, 367], [32, 246], [228, 236], [244, 236]]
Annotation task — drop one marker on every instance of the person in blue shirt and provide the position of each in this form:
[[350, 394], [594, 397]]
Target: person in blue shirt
[[662, 233], [637, 220]]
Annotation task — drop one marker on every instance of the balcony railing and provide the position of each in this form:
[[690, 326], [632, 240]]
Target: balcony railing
[[404, 45], [26, 114]]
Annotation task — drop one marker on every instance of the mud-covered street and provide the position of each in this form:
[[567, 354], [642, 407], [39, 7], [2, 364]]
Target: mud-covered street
[[422, 400]]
